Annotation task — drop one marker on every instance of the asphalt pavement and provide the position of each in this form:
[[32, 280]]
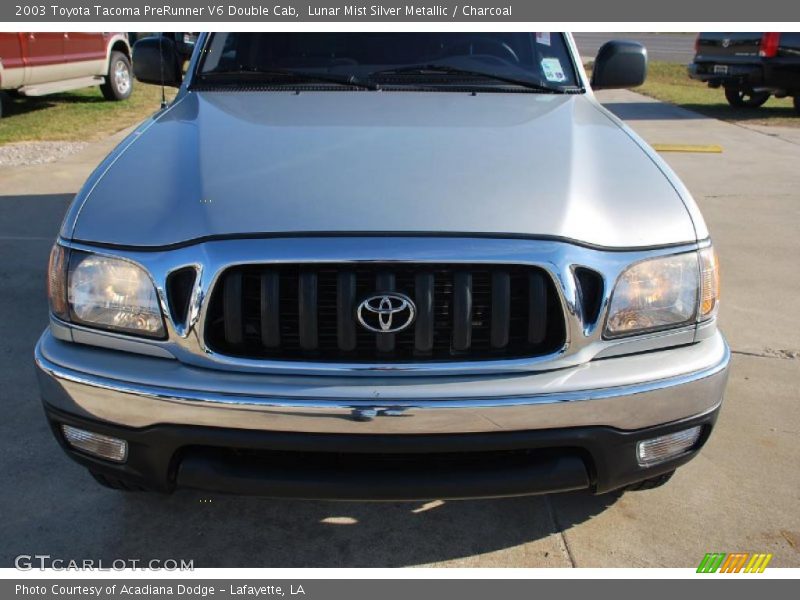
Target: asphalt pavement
[[740, 494], [667, 47]]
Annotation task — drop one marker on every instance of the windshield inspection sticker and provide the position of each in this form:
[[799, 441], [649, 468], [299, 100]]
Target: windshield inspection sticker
[[543, 38], [551, 67]]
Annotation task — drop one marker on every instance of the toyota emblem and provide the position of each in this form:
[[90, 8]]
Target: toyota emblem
[[386, 313]]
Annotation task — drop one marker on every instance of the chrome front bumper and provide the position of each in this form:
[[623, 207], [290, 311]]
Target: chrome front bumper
[[626, 393]]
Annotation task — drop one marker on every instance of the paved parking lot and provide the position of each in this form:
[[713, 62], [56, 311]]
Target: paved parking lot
[[740, 494]]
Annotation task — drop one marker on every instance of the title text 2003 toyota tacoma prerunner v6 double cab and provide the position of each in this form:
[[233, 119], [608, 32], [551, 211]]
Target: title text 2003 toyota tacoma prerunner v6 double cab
[[383, 266]]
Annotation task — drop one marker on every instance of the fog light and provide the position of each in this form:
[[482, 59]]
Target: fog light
[[96, 444], [656, 450]]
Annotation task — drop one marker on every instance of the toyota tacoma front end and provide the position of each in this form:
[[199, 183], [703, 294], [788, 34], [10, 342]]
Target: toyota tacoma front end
[[383, 266]]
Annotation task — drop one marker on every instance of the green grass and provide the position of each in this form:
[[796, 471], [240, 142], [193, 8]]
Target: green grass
[[669, 82], [80, 115]]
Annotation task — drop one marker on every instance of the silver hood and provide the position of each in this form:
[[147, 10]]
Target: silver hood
[[233, 163]]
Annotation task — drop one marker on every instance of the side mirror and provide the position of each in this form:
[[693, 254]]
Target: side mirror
[[156, 60], [619, 64]]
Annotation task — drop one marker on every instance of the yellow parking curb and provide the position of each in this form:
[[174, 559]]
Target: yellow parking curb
[[706, 148]]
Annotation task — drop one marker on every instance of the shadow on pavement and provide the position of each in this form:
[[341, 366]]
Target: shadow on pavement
[[16, 104], [729, 113], [230, 531], [649, 111], [35, 216], [52, 506], [659, 111]]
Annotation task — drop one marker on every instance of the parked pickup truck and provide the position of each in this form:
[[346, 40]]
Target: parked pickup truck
[[40, 63], [383, 266], [751, 67]]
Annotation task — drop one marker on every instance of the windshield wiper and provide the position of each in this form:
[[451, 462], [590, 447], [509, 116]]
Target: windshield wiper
[[438, 68], [295, 76]]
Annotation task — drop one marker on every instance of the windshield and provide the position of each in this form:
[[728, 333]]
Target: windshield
[[508, 61]]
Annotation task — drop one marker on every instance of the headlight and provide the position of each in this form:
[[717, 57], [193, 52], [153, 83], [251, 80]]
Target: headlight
[[104, 292], [654, 294]]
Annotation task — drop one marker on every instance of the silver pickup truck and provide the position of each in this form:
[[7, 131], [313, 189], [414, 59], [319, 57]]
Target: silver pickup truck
[[383, 266]]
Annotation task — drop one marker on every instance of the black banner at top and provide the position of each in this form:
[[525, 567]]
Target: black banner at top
[[49, 11]]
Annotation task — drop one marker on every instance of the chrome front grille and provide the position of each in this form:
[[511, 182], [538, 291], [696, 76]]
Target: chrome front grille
[[582, 276], [308, 312]]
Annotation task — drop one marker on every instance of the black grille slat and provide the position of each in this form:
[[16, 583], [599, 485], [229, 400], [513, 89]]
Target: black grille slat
[[423, 297], [345, 311], [308, 312], [501, 309], [462, 311], [537, 311], [270, 309], [234, 329]]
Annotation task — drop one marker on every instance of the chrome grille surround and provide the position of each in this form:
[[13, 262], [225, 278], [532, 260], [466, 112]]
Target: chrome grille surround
[[559, 258]]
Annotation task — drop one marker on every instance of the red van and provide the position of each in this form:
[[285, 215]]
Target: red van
[[40, 63]]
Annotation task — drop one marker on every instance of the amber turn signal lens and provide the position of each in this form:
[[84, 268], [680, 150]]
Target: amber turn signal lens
[[709, 283], [57, 282]]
